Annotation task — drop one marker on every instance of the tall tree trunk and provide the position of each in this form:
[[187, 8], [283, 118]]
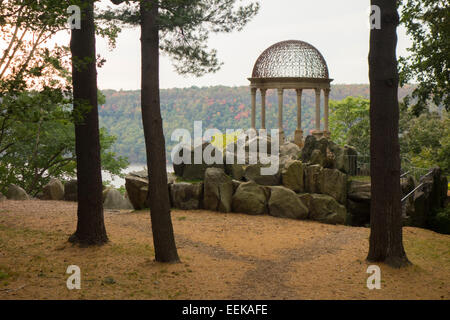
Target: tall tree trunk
[[386, 243], [158, 193], [90, 227]]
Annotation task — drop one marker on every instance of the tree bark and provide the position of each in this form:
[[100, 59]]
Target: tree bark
[[386, 243], [158, 193], [90, 227]]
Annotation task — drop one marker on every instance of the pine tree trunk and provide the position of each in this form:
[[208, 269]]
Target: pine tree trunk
[[386, 243], [90, 227], [158, 193]]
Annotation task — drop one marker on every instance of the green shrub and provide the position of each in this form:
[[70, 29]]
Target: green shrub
[[441, 221]]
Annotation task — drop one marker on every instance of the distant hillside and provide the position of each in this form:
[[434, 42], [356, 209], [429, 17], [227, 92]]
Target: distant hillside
[[219, 107]]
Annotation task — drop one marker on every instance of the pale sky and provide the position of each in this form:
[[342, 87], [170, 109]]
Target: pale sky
[[339, 29]]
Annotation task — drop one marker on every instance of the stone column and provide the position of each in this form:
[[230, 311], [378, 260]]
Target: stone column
[[280, 114], [263, 108], [316, 132], [326, 129], [298, 137], [253, 90]]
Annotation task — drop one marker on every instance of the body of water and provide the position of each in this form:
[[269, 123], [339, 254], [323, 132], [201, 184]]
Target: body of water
[[118, 181]]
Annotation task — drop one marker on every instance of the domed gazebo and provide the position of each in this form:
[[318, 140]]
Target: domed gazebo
[[295, 65]]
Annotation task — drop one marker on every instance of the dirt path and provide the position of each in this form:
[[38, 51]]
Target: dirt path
[[224, 256]]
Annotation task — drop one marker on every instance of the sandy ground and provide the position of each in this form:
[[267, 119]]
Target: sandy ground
[[223, 256]]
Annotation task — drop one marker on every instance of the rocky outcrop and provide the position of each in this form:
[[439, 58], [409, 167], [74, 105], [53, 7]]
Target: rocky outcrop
[[326, 209], [193, 171], [285, 203], [290, 149], [113, 199], [428, 200], [359, 190], [54, 190], [358, 213], [250, 198], [253, 173], [334, 183], [71, 190], [218, 190], [329, 155], [313, 179], [16, 193], [186, 196], [358, 203], [137, 189], [292, 176]]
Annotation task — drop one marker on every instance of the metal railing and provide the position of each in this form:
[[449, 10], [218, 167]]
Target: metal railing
[[416, 188]]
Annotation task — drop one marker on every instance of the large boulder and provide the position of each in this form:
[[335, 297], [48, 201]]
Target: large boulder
[[113, 199], [137, 190], [334, 183], [54, 190], [250, 198], [253, 173], [71, 190], [292, 176], [186, 196], [326, 209], [235, 171], [359, 190], [313, 179], [284, 203], [193, 170], [358, 203], [16, 193], [329, 155], [218, 190], [428, 200], [290, 149]]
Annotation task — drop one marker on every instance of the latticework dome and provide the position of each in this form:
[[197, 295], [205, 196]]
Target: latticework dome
[[291, 59]]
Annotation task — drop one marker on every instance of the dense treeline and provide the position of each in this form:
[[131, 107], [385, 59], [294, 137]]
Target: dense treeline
[[218, 107]]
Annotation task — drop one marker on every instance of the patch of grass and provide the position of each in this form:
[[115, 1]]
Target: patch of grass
[[436, 249], [359, 178], [181, 218]]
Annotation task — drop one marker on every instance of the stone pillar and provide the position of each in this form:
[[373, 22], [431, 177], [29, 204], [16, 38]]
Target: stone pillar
[[263, 108], [316, 132], [280, 114], [253, 90], [326, 129], [298, 137]]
